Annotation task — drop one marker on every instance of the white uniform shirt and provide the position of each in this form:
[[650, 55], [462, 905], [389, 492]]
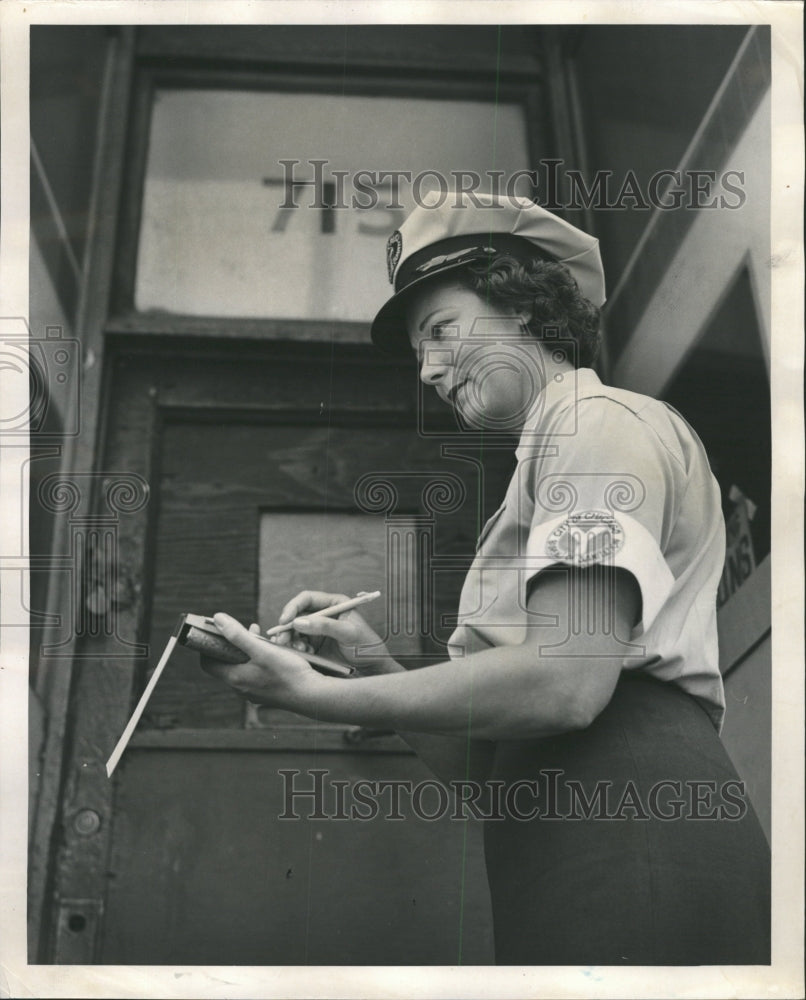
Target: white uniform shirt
[[607, 477]]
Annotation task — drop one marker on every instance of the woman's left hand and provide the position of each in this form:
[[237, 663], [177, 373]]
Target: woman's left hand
[[274, 675]]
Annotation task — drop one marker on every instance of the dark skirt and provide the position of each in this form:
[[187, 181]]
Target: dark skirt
[[645, 850]]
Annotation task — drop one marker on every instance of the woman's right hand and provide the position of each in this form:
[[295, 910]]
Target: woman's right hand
[[347, 637]]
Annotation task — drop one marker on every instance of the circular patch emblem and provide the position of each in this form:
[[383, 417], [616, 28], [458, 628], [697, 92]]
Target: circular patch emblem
[[586, 538], [394, 248]]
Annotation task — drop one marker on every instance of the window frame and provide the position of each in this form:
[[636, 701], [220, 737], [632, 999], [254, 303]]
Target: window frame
[[518, 88]]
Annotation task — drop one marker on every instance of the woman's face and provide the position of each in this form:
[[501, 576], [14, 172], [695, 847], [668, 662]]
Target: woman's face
[[479, 358]]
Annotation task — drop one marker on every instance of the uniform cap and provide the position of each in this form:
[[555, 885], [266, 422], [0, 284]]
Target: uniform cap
[[450, 230]]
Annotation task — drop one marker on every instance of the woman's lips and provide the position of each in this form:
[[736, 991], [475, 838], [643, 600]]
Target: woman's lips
[[454, 390]]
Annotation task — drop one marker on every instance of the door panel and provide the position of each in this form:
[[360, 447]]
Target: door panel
[[206, 873]]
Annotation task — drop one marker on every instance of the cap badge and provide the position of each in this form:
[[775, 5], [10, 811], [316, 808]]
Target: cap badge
[[459, 256], [394, 248]]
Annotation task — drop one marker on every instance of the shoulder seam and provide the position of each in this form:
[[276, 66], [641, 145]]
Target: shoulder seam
[[637, 415]]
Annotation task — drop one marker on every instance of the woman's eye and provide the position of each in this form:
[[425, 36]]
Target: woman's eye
[[441, 330]]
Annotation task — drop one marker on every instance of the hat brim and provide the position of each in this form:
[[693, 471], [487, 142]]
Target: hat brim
[[389, 332]]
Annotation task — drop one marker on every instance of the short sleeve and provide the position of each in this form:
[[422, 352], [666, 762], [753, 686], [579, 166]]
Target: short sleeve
[[605, 492]]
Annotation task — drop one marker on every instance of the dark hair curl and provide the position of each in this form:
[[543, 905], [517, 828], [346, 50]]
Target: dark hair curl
[[545, 290]]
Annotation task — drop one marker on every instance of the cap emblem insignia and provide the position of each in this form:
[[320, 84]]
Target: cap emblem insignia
[[394, 248]]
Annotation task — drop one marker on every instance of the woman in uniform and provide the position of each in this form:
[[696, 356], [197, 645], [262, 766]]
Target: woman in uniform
[[585, 659]]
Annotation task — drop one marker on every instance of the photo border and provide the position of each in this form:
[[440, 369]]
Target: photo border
[[784, 978]]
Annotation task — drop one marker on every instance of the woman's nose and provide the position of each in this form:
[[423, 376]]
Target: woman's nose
[[434, 365]]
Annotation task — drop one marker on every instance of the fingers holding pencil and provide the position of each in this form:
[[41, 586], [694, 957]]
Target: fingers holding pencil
[[309, 601], [305, 601], [317, 604]]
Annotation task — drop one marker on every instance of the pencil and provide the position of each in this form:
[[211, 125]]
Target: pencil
[[335, 609]]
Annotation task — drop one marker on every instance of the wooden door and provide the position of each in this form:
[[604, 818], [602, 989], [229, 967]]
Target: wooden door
[[255, 457]]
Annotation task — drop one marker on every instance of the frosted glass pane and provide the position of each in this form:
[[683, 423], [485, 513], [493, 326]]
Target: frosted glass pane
[[213, 238]]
